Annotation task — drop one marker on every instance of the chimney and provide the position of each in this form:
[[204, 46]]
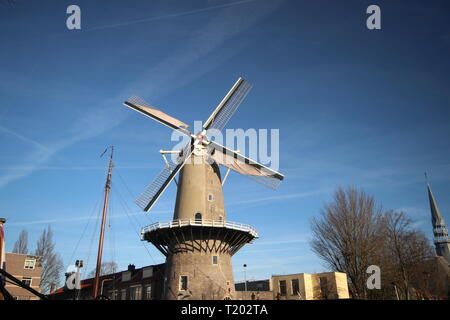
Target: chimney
[[131, 267]]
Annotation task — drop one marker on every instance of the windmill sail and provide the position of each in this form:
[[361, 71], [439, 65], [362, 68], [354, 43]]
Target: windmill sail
[[228, 106], [141, 106], [154, 190], [246, 166], [220, 154]]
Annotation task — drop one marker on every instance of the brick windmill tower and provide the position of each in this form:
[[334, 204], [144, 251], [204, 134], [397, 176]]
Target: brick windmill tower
[[199, 242]]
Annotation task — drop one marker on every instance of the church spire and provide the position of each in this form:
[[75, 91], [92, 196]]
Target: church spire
[[440, 232], [436, 216]]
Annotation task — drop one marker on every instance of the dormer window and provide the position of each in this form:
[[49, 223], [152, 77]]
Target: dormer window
[[30, 264], [126, 276]]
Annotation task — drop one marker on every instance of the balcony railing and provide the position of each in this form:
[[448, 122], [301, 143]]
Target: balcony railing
[[199, 223], [443, 239]]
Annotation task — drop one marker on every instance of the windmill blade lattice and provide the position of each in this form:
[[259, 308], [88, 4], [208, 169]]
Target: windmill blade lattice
[[226, 110], [154, 190]]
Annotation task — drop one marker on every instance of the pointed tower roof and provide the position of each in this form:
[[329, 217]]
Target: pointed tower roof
[[435, 212]]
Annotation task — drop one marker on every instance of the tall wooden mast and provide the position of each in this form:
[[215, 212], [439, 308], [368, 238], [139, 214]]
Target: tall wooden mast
[[102, 230]]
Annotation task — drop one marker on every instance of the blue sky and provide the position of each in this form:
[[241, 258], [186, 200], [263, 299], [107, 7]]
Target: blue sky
[[353, 106]]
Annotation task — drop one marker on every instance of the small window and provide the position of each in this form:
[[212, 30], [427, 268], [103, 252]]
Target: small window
[[210, 197], [148, 292], [282, 287], [295, 286], [323, 281], [30, 263], [135, 293], [198, 218], [27, 281], [183, 282], [215, 260]]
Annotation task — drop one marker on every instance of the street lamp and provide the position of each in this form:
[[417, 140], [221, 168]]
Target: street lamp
[[245, 280]]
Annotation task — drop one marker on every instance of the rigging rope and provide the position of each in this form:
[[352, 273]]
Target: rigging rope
[[136, 229], [84, 231], [82, 273], [132, 195], [112, 244]]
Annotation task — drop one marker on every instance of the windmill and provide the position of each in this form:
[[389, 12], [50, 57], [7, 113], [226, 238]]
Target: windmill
[[199, 241]]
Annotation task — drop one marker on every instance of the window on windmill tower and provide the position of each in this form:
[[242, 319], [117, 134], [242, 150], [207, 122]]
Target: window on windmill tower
[[215, 260], [198, 217], [210, 197], [183, 282]]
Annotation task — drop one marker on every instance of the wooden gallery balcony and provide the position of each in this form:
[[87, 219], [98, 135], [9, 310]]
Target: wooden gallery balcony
[[198, 235]]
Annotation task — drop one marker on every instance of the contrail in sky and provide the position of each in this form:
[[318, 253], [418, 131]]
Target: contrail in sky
[[173, 15], [25, 139]]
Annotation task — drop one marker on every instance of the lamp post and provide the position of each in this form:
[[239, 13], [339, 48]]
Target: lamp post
[[245, 280]]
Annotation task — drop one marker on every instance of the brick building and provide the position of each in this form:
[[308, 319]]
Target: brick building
[[299, 286], [26, 268], [145, 283]]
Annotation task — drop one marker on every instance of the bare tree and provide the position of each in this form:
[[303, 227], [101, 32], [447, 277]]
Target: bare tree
[[406, 250], [52, 264], [21, 244], [347, 235], [353, 233], [107, 267]]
